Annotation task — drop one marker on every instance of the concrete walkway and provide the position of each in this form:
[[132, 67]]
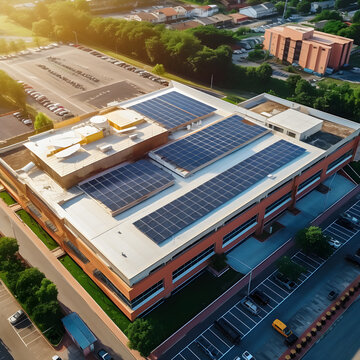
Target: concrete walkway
[[252, 252]]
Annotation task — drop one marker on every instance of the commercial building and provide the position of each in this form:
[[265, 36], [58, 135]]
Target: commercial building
[[314, 51], [142, 195], [259, 11]]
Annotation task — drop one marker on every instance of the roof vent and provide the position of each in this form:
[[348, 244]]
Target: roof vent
[[105, 148], [133, 136], [271, 176], [124, 255], [188, 127]]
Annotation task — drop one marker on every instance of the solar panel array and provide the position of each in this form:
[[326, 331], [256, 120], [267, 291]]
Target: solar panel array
[[180, 213], [173, 109], [210, 144], [119, 188]]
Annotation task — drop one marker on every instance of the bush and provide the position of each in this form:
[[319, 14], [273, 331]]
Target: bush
[[140, 335], [42, 121], [159, 69], [289, 268]]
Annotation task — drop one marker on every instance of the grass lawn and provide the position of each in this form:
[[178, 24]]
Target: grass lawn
[[329, 81], [96, 293], [10, 28], [234, 99], [37, 229], [184, 305], [7, 198]]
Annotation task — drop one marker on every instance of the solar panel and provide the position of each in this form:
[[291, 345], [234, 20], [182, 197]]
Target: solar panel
[[210, 143], [180, 213], [173, 109], [124, 187], [187, 104]]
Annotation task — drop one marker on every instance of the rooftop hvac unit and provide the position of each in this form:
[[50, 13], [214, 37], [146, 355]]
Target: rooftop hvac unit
[[105, 148], [188, 127], [133, 136], [271, 176]]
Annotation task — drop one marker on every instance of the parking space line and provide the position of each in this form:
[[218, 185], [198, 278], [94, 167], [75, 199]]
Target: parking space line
[[286, 291], [192, 352], [29, 334], [274, 293], [211, 343], [244, 313], [219, 338], [23, 321], [232, 314], [33, 340], [314, 267]]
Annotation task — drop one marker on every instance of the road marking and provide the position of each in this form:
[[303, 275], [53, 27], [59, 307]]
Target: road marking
[[30, 342], [304, 261], [193, 352], [244, 313], [219, 338], [29, 334], [232, 314], [287, 291], [274, 293]]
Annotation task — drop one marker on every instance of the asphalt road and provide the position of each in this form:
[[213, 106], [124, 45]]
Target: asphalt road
[[342, 340]]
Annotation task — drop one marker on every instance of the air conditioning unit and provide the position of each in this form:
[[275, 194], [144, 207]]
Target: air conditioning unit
[[133, 136], [105, 148], [188, 127]]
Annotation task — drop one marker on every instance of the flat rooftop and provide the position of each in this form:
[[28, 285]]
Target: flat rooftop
[[126, 249]]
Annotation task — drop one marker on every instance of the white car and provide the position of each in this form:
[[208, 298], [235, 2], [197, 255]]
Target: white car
[[247, 356], [237, 51], [334, 243]]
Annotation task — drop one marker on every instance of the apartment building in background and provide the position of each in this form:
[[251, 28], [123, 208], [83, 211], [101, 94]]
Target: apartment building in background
[[143, 194], [314, 51]]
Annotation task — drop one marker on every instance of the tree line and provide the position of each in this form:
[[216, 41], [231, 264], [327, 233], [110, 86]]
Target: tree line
[[36, 293]]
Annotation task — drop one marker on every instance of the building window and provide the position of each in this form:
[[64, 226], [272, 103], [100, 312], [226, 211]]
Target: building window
[[277, 204], [297, 50], [276, 128], [291, 134], [76, 251], [193, 263], [136, 302], [51, 226], [308, 182], [339, 161], [241, 229], [33, 209]]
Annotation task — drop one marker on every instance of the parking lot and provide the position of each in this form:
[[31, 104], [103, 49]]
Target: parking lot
[[244, 321], [11, 126], [76, 79]]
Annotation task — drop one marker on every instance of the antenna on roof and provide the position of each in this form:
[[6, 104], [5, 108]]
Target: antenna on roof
[[124, 255]]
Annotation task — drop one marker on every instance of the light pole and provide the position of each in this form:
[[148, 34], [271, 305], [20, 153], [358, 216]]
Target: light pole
[[250, 278], [327, 194], [76, 38]]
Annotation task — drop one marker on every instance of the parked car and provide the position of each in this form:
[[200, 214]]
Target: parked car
[[17, 317], [248, 305], [347, 224], [247, 356], [228, 330], [353, 259], [284, 281], [56, 357], [104, 355], [259, 297], [281, 328], [352, 219], [334, 243]]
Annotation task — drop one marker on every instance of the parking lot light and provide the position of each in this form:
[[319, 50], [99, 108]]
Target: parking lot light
[[242, 263], [76, 38]]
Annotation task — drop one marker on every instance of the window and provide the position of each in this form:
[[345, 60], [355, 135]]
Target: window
[[76, 251], [51, 226], [278, 204], [339, 161], [136, 302], [276, 128], [291, 134], [242, 229], [34, 210], [193, 263], [308, 182]]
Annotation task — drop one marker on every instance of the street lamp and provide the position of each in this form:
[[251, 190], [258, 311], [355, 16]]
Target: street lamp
[[76, 38], [249, 283]]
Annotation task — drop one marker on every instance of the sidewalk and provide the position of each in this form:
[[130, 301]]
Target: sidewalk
[[288, 243]]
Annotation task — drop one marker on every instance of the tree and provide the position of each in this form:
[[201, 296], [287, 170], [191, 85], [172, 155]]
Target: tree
[[41, 121], [292, 80], [312, 240], [28, 283], [289, 268], [280, 5], [47, 291], [303, 7], [328, 15], [47, 314], [42, 27], [139, 334], [334, 26], [264, 72], [8, 248], [4, 48], [159, 69], [341, 4], [356, 17]]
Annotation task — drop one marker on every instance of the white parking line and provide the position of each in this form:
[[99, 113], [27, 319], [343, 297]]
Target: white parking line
[[273, 292], [29, 334], [232, 314], [286, 291], [297, 257], [192, 352], [244, 313], [219, 338], [30, 342], [211, 343]]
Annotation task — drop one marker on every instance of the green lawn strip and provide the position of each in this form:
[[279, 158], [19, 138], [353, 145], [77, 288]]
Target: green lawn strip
[[234, 99], [11, 28], [96, 293], [329, 81], [7, 198], [37, 229], [189, 301]]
